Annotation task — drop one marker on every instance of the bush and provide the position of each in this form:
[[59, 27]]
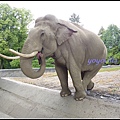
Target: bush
[[50, 62], [15, 63], [35, 63]]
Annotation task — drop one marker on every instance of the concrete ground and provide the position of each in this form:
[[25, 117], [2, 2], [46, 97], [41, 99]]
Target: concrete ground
[[22, 100]]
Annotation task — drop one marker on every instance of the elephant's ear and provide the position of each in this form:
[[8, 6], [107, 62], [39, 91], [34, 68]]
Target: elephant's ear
[[64, 32]]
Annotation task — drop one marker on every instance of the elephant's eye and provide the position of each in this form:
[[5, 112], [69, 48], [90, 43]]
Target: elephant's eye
[[42, 34]]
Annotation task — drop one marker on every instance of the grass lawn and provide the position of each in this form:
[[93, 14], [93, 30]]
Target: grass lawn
[[111, 68]]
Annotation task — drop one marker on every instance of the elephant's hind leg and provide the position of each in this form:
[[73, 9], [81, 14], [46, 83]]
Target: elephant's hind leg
[[90, 85], [87, 83]]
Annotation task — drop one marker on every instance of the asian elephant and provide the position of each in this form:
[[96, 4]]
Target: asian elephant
[[71, 46]]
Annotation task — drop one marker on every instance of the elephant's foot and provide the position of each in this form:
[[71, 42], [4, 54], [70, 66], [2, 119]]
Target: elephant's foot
[[65, 93], [80, 95], [90, 86]]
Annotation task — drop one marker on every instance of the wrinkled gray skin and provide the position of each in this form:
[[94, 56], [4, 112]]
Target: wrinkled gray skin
[[71, 46]]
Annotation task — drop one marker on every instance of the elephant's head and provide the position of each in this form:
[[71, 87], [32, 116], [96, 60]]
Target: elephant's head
[[42, 41]]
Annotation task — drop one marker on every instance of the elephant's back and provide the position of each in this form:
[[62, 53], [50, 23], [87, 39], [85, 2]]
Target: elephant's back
[[87, 45]]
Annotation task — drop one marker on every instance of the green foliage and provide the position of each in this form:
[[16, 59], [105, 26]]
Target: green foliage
[[35, 63], [13, 31], [109, 69], [111, 38], [15, 63], [50, 62]]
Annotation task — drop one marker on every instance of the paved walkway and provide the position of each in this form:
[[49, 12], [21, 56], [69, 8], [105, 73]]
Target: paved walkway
[[3, 115], [21, 100]]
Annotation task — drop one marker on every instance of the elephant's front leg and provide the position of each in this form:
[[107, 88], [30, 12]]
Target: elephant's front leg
[[75, 73], [63, 77]]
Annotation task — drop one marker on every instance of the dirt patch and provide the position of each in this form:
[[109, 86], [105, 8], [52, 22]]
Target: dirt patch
[[107, 84]]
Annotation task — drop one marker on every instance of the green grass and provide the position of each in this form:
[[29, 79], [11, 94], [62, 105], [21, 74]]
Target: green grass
[[112, 68], [109, 69]]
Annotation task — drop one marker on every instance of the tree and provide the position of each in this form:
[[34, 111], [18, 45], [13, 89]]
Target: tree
[[111, 38], [13, 30], [101, 31], [74, 18]]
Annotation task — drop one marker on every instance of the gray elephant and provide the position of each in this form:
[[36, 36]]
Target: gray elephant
[[70, 45]]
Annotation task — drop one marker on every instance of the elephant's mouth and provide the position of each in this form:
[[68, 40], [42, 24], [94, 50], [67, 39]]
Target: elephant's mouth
[[39, 55]]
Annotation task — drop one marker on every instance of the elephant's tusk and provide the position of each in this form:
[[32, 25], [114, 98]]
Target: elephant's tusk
[[24, 55], [10, 58]]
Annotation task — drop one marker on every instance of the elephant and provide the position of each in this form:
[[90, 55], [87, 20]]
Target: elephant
[[70, 45]]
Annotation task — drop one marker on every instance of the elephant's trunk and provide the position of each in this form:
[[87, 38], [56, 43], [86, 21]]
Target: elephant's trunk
[[26, 67]]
